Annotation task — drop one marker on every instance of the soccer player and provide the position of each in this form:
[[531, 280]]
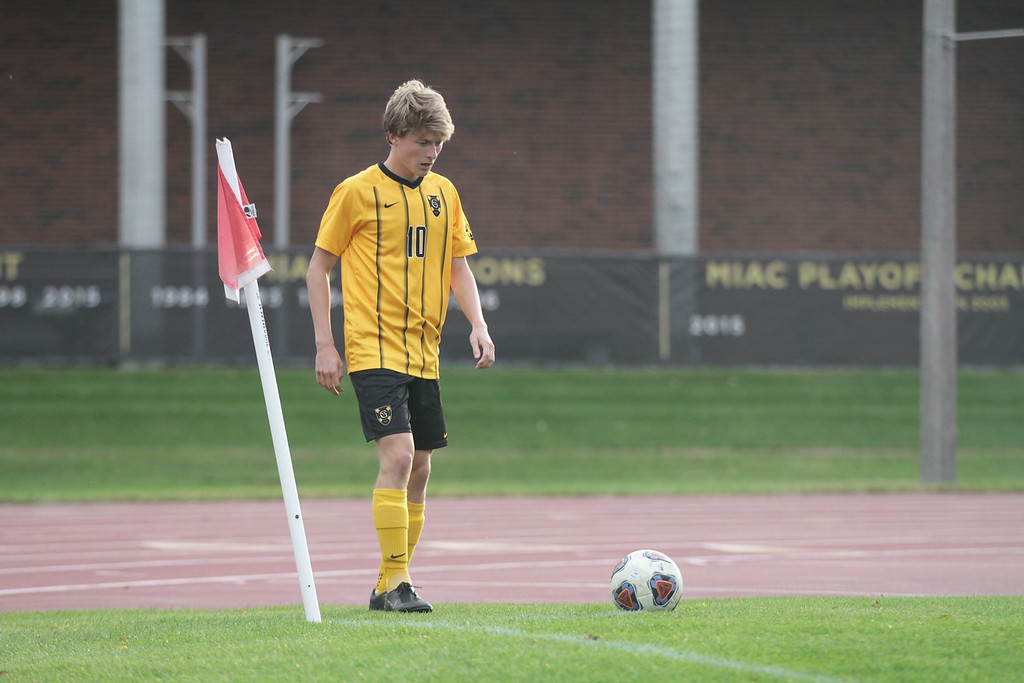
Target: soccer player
[[403, 239]]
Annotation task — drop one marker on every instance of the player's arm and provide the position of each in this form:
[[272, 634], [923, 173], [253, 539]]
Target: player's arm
[[466, 293], [329, 366]]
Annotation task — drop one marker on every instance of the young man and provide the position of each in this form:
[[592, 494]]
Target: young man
[[403, 239]]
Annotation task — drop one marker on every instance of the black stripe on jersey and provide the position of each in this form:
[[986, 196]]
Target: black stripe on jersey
[[423, 280], [444, 254], [380, 289], [405, 329]]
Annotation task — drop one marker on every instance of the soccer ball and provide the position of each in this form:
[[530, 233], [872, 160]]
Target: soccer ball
[[646, 580]]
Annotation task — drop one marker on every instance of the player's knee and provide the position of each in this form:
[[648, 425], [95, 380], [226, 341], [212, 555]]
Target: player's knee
[[420, 468], [396, 460]]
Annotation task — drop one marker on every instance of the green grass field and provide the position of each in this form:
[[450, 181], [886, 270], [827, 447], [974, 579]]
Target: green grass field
[[757, 639], [189, 434], [100, 434]]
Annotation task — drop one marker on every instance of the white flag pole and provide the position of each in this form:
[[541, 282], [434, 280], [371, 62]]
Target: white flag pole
[[281, 450], [272, 398]]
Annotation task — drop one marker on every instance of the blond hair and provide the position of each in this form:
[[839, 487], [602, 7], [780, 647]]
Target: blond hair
[[416, 107]]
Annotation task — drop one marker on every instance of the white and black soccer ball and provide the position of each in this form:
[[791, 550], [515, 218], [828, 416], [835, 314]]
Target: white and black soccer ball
[[646, 580]]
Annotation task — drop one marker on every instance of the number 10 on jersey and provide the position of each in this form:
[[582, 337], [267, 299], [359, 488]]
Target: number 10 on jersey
[[416, 241]]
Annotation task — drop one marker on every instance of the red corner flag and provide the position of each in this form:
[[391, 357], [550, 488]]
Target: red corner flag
[[239, 254], [241, 262]]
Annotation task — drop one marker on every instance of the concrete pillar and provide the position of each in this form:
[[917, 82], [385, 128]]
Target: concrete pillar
[[142, 221], [675, 81]]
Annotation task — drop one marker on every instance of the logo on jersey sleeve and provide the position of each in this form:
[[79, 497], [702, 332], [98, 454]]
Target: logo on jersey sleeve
[[383, 415]]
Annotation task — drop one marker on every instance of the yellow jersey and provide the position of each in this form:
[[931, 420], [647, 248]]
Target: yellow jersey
[[396, 240]]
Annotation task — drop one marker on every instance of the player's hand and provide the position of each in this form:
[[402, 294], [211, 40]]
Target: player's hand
[[329, 368], [483, 347]]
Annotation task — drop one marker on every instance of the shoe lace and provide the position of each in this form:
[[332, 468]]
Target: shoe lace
[[408, 588]]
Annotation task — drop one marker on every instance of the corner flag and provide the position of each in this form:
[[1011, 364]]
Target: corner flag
[[239, 255], [241, 262]]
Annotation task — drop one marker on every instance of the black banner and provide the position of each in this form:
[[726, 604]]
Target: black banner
[[110, 306], [850, 311], [58, 305]]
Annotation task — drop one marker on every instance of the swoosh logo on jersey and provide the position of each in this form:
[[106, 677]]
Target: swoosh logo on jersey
[[388, 206]]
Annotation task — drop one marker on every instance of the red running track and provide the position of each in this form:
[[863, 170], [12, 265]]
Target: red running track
[[238, 554]]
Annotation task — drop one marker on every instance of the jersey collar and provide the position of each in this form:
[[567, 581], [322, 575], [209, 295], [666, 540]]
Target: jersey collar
[[413, 184]]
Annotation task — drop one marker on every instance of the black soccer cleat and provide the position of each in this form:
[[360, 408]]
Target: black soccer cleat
[[402, 599]]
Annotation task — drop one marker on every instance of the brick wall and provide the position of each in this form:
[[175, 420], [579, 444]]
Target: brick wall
[[810, 118], [811, 127], [58, 123]]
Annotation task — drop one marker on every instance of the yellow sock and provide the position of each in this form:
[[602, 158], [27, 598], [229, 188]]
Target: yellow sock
[[391, 519], [416, 518]]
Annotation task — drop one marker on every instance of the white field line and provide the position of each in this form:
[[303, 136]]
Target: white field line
[[646, 650]]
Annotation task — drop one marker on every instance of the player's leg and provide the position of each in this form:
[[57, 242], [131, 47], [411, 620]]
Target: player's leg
[[426, 419], [391, 511], [418, 478], [399, 473], [383, 398], [394, 591]]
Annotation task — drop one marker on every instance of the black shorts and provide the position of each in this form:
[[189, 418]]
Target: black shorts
[[393, 403]]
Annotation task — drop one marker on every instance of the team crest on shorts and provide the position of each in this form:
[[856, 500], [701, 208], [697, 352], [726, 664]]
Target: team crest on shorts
[[383, 415], [435, 204]]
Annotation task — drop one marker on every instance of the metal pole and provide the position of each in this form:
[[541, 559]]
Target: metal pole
[[938, 245], [193, 106], [287, 106], [675, 126], [199, 188], [938, 237], [987, 35], [282, 143]]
